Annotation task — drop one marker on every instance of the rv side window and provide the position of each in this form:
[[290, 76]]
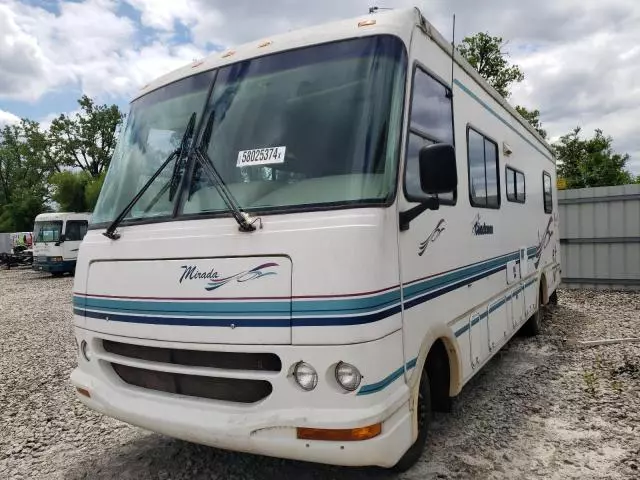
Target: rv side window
[[515, 185], [548, 195], [431, 122], [76, 230], [484, 181]]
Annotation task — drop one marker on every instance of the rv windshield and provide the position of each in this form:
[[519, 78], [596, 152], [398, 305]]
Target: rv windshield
[[47, 231], [309, 128]]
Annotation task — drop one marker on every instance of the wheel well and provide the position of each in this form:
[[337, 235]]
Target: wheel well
[[439, 372]]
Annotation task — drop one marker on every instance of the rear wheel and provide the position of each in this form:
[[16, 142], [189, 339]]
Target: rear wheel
[[57, 274], [553, 299], [414, 453], [534, 324]]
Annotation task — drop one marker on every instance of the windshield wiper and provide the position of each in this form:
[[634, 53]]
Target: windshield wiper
[[178, 153], [173, 183], [245, 221]]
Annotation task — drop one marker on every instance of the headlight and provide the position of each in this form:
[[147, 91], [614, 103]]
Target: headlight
[[306, 376], [348, 376], [84, 348]]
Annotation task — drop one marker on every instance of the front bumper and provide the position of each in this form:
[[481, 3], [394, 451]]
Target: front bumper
[[54, 267], [268, 427]]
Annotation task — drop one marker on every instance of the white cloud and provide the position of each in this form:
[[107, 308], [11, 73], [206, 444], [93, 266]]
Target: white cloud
[[87, 43], [163, 15], [7, 118]]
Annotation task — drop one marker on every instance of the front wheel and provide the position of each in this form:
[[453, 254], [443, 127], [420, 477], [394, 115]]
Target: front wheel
[[414, 453]]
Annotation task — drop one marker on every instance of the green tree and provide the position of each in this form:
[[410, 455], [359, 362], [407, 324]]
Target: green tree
[[69, 190], [23, 173], [590, 162], [92, 191], [485, 53], [85, 141], [533, 117]]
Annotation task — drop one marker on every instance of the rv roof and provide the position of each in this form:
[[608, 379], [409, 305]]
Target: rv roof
[[399, 22]]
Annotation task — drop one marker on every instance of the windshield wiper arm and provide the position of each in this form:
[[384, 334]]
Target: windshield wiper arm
[[172, 183], [178, 152], [244, 220]]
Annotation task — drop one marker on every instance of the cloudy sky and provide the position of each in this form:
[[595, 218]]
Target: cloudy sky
[[581, 58]]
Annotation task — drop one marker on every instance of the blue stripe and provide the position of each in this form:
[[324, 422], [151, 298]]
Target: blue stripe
[[188, 322], [462, 330], [495, 114], [496, 306], [307, 313], [385, 382]]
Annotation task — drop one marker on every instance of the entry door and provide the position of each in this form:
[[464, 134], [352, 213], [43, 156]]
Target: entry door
[[427, 244]]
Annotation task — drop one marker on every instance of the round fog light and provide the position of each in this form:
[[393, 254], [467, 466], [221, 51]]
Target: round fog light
[[348, 376], [84, 348], [306, 376]]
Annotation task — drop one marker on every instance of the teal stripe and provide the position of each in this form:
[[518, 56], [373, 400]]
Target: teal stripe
[[388, 380], [346, 307], [453, 277], [495, 114], [186, 308]]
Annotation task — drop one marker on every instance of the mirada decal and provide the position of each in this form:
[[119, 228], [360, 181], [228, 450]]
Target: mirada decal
[[191, 272]]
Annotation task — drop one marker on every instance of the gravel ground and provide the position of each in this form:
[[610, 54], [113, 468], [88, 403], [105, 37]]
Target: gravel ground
[[543, 408]]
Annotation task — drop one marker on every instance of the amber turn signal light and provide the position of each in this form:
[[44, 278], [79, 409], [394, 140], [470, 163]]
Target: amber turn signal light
[[346, 435], [84, 392]]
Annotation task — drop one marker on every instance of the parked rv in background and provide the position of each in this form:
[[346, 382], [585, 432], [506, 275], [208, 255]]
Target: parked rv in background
[[56, 240]]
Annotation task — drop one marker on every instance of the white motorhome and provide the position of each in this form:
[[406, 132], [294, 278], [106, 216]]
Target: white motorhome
[[306, 244], [56, 240]]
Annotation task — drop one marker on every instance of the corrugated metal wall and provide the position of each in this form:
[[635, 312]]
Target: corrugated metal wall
[[600, 237]]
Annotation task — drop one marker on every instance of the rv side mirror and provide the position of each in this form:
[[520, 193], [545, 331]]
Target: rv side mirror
[[60, 240], [438, 171]]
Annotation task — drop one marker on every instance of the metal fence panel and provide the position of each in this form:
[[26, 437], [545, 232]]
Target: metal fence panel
[[600, 237]]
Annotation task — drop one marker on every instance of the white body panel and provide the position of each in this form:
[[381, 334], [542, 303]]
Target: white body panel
[[323, 287]]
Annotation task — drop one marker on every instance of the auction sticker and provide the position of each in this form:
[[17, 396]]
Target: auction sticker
[[261, 156]]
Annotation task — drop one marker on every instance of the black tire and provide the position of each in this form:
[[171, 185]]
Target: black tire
[[553, 299], [57, 274], [411, 456], [534, 324]]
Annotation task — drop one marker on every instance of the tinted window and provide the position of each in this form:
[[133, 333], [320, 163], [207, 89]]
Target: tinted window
[[431, 122], [515, 185], [431, 109], [491, 167], [484, 181], [76, 230], [548, 196]]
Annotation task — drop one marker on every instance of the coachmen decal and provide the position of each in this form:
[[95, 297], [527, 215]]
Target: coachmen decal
[[481, 228], [191, 272]]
